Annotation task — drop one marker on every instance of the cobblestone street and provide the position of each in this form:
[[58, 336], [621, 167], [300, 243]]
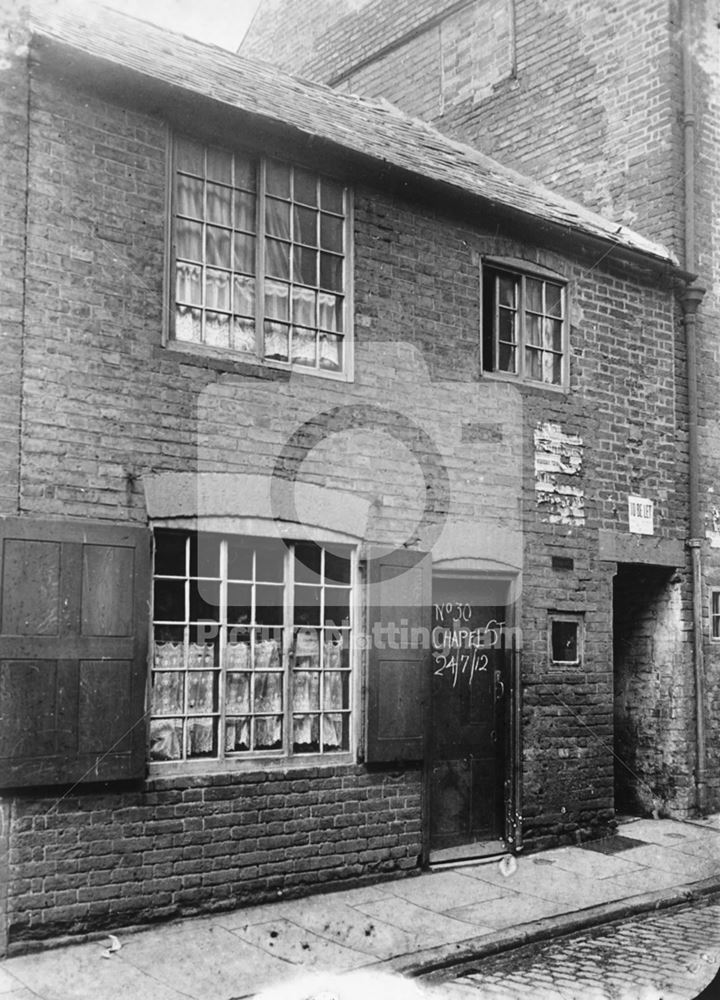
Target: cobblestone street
[[671, 955]]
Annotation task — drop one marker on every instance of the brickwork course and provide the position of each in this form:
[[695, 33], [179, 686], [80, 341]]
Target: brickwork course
[[99, 405], [586, 97]]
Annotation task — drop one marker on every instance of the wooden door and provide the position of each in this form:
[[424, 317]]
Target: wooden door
[[469, 706]]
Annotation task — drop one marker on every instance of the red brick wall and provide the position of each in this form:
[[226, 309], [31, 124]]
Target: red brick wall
[[105, 404]]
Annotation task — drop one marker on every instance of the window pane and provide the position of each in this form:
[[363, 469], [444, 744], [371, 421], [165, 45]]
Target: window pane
[[244, 292], [188, 283], [506, 358], [245, 211], [564, 639], [308, 556], [331, 233], [189, 240], [244, 253], [305, 226], [270, 601], [337, 565], [533, 329], [219, 165], [166, 739], [336, 685], [169, 601], [331, 272], [219, 204], [189, 196], [267, 692], [306, 733], [201, 738], [331, 352], [307, 648], [270, 561], [168, 692], [307, 605], [267, 654], [237, 734], [190, 156], [170, 553], [278, 179], [305, 187], [552, 334], [243, 335], [553, 300], [201, 691], [245, 173], [305, 265], [204, 600], [303, 347], [277, 300], [506, 288], [188, 324], [306, 691], [303, 306], [217, 247], [506, 326], [239, 559], [533, 364], [331, 196], [556, 369], [217, 329], [336, 649], [217, 289], [330, 312], [239, 601], [337, 605], [277, 218], [268, 734], [533, 295], [205, 555], [276, 341], [335, 732], [277, 259]]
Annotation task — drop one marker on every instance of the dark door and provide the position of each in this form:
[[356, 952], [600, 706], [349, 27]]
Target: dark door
[[468, 733]]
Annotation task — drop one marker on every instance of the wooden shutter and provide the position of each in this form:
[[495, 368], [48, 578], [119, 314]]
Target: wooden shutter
[[73, 649], [398, 678]]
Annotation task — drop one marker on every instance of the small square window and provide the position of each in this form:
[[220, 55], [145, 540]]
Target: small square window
[[565, 640], [524, 326], [715, 614]]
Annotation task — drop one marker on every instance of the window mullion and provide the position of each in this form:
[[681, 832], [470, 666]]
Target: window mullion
[[222, 648], [260, 261], [521, 334], [288, 653]]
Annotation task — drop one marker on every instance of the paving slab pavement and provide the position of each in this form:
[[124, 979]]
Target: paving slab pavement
[[408, 925]]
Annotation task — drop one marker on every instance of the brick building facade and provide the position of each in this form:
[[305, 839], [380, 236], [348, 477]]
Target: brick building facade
[[347, 419], [616, 105]]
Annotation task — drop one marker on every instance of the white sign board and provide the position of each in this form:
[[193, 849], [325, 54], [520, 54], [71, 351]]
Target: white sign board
[[640, 515]]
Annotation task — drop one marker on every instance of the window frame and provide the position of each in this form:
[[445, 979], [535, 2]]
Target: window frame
[[522, 270], [566, 618], [232, 356], [283, 757], [715, 614]]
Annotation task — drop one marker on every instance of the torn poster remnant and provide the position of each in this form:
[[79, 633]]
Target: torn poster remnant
[[558, 461]]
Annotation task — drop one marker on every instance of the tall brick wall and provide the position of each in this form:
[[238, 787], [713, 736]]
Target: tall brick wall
[[13, 186], [106, 405]]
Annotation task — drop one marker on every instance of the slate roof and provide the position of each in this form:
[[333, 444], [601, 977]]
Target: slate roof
[[364, 127]]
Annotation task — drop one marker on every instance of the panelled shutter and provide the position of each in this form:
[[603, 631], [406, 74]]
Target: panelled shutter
[[73, 648], [398, 682]]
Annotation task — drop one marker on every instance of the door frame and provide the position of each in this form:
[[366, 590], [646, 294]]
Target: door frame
[[512, 778]]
